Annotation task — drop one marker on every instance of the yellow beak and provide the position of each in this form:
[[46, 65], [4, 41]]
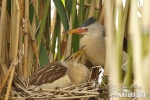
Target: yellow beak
[[78, 54]]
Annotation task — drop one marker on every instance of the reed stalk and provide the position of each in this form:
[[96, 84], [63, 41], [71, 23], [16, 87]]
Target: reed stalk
[[2, 20], [15, 63], [26, 39]]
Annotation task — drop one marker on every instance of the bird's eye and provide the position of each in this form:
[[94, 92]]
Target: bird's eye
[[86, 29]]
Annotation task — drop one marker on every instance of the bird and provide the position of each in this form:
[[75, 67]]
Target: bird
[[93, 36], [60, 74]]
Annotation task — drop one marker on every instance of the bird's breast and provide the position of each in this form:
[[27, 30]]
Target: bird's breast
[[95, 49]]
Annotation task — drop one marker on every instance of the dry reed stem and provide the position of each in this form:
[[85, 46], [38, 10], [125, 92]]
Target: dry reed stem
[[17, 30], [97, 4], [8, 39], [34, 45], [32, 30], [145, 26], [4, 70], [10, 83], [125, 16], [71, 92], [66, 91], [12, 30], [6, 76], [20, 47], [30, 56], [110, 40], [83, 84], [2, 29], [74, 97], [26, 39], [69, 40], [3, 13], [53, 22], [25, 55], [20, 87], [4, 41], [136, 41], [92, 8], [31, 49], [53, 95], [102, 15], [15, 50]]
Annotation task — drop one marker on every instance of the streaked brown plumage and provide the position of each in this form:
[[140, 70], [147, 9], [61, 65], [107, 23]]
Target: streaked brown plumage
[[61, 73]]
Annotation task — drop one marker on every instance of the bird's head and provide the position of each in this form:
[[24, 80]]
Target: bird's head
[[90, 26], [77, 55], [73, 59]]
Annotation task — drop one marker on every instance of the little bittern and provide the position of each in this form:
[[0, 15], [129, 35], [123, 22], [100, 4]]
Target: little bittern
[[94, 39], [61, 73]]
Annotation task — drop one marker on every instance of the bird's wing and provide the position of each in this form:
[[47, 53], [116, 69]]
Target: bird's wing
[[48, 74]]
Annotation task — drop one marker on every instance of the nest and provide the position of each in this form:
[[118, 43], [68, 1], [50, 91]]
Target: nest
[[85, 91], [91, 90]]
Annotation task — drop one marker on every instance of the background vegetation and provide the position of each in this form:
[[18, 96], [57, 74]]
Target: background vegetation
[[30, 38]]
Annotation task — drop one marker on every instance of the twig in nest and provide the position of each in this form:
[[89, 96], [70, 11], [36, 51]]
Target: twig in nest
[[75, 97], [23, 89]]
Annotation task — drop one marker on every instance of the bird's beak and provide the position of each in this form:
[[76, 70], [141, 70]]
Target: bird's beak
[[78, 54], [77, 31]]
